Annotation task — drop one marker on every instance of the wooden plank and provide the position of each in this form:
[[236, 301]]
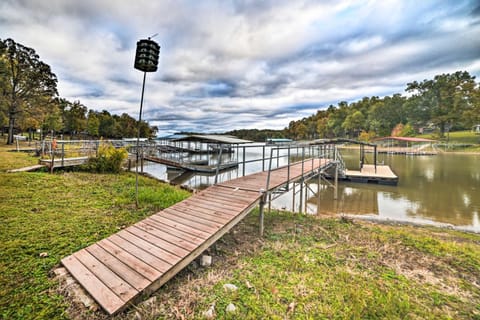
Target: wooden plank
[[221, 199], [116, 284], [173, 231], [128, 274], [225, 193], [141, 254], [149, 247], [30, 168], [135, 263], [159, 242], [204, 207], [172, 238], [231, 191], [96, 288], [162, 218], [201, 221], [216, 216], [210, 207], [182, 264], [195, 225]]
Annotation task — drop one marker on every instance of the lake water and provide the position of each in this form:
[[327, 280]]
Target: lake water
[[440, 189]]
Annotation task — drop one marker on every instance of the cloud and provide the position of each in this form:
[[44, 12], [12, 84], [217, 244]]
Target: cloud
[[243, 64]]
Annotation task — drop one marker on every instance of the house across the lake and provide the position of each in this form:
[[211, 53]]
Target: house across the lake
[[476, 128], [276, 141]]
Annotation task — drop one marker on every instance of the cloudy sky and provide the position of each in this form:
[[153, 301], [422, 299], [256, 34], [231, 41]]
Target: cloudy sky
[[231, 64]]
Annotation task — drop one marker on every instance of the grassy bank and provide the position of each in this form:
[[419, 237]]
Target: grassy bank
[[457, 141], [303, 268], [56, 215], [307, 268]]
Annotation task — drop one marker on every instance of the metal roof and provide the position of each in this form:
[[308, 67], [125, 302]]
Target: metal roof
[[215, 138], [408, 139]]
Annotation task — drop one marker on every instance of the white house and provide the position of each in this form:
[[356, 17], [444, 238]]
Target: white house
[[476, 128]]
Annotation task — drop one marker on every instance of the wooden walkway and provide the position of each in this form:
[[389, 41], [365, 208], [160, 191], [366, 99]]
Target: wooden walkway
[[136, 261]]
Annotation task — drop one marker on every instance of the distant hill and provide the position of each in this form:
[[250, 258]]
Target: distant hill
[[256, 134]]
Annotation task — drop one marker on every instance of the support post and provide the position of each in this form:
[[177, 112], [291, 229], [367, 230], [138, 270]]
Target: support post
[[319, 182], [243, 160], [269, 202], [218, 164], [63, 153], [293, 197], [301, 197], [306, 197], [261, 215], [335, 194], [138, 140], [263, 158]]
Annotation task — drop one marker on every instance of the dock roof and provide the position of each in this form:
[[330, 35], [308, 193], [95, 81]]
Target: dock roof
[[407, 139], [213, 138]]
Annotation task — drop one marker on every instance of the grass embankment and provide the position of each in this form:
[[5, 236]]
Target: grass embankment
[[304, 267], [457, 141], [59, 214]]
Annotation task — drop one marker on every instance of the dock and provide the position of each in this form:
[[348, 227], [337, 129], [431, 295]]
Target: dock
[[379, 174], [193, 167], [63, 162], [138, 260]]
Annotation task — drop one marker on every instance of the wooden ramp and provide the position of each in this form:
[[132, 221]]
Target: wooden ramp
[[139, 259], [25, 169]]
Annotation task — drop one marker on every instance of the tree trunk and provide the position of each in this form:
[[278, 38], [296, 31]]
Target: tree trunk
[[11, 125]]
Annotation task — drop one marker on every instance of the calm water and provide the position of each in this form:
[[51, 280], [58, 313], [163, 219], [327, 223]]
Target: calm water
[[432, 189]]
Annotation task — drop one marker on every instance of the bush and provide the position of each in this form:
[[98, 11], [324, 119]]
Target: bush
[[108, 159]]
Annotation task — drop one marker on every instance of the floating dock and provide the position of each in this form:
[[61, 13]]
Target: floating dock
[[379, 174]]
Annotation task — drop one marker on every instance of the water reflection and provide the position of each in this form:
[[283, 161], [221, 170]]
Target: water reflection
[[443, 188]]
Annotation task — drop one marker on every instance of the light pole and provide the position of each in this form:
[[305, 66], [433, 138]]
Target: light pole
[[146, 60]]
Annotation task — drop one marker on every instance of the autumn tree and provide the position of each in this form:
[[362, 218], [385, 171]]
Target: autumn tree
[[24, 79], [444, 99], [354, 122]]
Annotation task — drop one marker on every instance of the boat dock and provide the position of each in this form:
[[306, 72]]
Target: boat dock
[[138, 260], [369, 173]]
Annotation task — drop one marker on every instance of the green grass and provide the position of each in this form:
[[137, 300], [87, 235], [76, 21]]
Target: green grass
[[303, 268], [59, 214], [459, 141], [332, 269]]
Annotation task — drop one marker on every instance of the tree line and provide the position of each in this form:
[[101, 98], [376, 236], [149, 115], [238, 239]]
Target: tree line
[[445, 103], [29, 102]]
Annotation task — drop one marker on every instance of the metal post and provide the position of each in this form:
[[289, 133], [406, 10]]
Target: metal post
[[63, 153], [293, 198], [278, 156], [288, 168], [138, 140], [263, 158], [218, 164], [269, 202], [319, 181], [261, 215], [301, 180], [335, 194], [306, 197], [243, 156]]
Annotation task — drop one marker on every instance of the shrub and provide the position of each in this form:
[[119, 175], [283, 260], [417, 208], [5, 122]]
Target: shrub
[[108, 159]]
